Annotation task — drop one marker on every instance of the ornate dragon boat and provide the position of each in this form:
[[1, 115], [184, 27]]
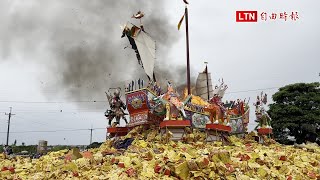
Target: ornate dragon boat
[[149, 104]]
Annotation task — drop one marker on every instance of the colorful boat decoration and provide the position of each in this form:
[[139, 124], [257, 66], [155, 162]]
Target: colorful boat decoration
[[151, 104]]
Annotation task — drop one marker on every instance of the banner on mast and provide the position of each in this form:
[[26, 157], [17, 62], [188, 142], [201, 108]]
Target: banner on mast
[[180, 22]]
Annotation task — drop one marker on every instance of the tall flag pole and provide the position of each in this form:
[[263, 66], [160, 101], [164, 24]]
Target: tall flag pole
[[187, 43], [188, 57]]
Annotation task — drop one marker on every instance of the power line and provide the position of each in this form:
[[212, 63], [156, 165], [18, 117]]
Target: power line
[[53, 102], [95, 101], [36, 122], [61, 130], [31, 122], [262, 89], [74, 112]]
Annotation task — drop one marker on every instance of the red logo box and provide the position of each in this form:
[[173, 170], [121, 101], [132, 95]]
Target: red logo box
[[246, 16]]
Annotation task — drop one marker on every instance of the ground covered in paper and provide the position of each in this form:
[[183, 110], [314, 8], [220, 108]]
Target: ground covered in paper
[[152, 157]]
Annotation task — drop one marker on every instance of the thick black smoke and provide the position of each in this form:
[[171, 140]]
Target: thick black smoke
[[78, 42]]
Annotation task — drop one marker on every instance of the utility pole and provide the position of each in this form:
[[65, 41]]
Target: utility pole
[[91, 135], [207, 75], [9, 115]]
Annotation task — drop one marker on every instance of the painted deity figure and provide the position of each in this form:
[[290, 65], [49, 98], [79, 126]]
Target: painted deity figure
[[262, 116], [216, 99], [216, 107], [174, 106], [258, 106], [117, 107]]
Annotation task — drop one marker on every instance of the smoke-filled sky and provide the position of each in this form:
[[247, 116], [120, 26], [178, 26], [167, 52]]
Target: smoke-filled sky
[[70, 52]]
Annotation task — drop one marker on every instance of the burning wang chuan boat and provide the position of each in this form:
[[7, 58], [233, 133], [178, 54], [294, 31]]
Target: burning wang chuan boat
[[151, 104]]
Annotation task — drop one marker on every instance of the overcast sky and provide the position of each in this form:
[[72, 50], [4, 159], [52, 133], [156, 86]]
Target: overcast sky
[[249, 56]]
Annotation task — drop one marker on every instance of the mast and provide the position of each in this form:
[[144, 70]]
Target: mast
[[207, 80], [188, 58]]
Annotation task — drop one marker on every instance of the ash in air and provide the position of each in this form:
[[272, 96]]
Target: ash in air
[[78, 42]]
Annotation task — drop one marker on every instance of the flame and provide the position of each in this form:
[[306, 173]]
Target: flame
[[194, 99], [198, 101]]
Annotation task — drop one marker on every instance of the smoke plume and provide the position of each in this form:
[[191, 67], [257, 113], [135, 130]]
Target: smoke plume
[[78, 42]]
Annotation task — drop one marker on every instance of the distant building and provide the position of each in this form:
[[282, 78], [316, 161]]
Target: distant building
[[42, 146]]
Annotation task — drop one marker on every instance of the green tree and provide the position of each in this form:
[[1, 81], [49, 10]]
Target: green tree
[[296, 112], [94, 145], [60, 147]]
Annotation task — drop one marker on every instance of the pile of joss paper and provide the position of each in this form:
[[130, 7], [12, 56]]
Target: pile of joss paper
[[151, 156]]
